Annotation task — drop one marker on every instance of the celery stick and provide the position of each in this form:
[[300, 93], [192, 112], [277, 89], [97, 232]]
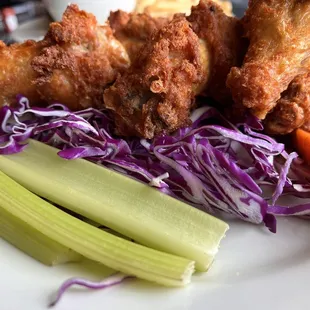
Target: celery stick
[[33, 242], [18, 203], [118, 202]]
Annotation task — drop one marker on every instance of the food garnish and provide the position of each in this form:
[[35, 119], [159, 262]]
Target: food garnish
[[212, 165], [17, 203], [302, 143], [118, 202]]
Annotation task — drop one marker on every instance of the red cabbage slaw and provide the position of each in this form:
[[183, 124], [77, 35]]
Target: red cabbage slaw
[[111, 281], [212, 165]]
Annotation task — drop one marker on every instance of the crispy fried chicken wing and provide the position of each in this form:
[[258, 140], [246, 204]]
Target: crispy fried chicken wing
[[133, 30], [156, 93], [16, 74], [279, 34], [82, 60], [293, 109], [73, 65], [187, 57]]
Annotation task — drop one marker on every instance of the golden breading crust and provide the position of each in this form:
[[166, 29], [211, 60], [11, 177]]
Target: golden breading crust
[[187, 57], [156, 94], [133, 30], [82, 60], [16, 74], [279, 34], [222, 35], [293, 109]]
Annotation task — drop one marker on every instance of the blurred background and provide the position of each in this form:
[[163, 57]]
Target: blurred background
[[24, 19]]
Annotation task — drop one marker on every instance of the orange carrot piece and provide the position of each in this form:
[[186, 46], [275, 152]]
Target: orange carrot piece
[[302, 143]]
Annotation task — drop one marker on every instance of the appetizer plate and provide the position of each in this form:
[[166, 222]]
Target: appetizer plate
[[254, 270]]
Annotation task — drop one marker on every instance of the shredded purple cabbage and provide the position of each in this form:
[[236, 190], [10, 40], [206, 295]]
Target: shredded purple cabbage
[[113, 280], [212, 165]]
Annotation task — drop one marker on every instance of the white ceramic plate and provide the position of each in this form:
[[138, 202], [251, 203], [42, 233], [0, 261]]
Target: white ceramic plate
[[254, 270]]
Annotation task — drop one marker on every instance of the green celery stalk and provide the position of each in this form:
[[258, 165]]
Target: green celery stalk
[[33, 242], [118, 202], [17, 203]]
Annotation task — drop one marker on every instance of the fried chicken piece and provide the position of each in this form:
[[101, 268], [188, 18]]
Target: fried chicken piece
[[226, 47], [73, 65], [155, 95], [293, 109], [279, 34], [16, 73], [83, 59], [133, 30], [185, 58]]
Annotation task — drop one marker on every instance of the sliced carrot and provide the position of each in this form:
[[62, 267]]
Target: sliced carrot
[[302, 143]]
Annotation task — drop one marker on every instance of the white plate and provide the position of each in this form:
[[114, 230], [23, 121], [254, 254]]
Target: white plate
[[254, 270]]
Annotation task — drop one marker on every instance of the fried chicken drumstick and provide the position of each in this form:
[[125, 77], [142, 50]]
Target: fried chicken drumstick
[[82, 60], [279, 35], [73, 64], [187, 57], [154, 95]]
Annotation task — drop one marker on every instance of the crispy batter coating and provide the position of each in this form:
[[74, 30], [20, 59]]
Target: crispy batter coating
[[222, 35], [16, 73], [279, 34], [185, 58], [293, 109], [83, 59], [133, 30], [156, 94]]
